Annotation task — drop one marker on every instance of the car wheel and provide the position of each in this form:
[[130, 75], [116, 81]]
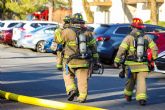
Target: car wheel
[[40, 47], [14, 43]]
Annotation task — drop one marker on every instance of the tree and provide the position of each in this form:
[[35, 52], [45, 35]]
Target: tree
[[154, 12], [61, 8], [22, 7], [88, 12]]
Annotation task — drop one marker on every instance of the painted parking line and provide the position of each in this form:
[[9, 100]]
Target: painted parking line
[[44, 102]]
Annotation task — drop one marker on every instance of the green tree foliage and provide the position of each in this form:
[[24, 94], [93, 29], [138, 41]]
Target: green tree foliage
[[61, 3], [22, 7]]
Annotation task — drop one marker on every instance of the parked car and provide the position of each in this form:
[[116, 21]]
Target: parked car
[[159, 38], [47, 45], [35, 39], [160, 63], [29, 26], [7, 34], [109, 37], [8, 24]]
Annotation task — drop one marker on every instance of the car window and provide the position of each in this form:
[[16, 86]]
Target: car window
[[19, 25], [101, 29], [12, 24], [35, 25], [50, 30], [154, 28], [2, 24], [152, 36], [37, 29], [123, 30]]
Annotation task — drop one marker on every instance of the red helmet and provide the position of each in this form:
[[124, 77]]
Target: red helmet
[[137, 23]]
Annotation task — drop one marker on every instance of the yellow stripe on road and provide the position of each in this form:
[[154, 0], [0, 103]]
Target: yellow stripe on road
[[45, 102]]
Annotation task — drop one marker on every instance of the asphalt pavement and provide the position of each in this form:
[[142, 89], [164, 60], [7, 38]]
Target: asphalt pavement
[[25, 72]]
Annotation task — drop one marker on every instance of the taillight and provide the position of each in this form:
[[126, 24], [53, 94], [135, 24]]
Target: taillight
[[21, 29], [99, 39], [28, 36], [102, 38]]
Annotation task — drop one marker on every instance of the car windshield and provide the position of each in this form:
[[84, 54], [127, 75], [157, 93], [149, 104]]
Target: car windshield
[[101, 29], [37, 29]]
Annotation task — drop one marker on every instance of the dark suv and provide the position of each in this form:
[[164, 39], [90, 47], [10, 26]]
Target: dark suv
[[110, 36]]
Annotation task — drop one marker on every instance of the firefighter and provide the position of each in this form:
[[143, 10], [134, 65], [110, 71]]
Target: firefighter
[[134, 48], [57, 38], [79, 49]]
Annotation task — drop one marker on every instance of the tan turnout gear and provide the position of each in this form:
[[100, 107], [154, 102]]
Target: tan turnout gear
[[76, 67], [80, 67], [57, 39], [136, 71]]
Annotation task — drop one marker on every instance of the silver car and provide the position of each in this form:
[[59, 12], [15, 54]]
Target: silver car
[[35, 39]]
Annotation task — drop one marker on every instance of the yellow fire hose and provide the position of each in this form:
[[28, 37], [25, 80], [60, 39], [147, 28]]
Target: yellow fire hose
[[45, 102]]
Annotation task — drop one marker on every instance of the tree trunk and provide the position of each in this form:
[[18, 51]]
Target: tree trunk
[[88, 12], [154, 12]]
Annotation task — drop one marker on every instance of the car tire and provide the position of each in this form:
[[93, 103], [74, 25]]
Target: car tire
[[14, 43], [40, 47]]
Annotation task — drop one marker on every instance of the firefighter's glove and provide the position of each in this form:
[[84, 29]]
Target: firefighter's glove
[[117, 65], [122, 74]]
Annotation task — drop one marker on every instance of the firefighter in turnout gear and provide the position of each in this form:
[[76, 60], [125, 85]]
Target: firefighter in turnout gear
[[57, 38], [134, 48], [79, 49]]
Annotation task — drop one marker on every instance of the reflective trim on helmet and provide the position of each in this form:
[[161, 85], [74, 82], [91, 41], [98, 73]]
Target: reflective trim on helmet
[[126, 92], [124, 45], [151, 45], [141, 96], [77, 66], [117, 60]]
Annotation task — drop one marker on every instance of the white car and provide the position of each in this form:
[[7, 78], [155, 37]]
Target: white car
[[35, 39], [18, 33], [160, 63], [8, 24]]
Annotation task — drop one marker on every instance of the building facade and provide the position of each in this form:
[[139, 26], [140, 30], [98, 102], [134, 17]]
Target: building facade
[[120, 11]]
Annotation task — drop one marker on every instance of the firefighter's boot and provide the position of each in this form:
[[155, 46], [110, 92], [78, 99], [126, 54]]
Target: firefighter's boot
[[71, 95], [80, 100], [142, 102], [128, 98]]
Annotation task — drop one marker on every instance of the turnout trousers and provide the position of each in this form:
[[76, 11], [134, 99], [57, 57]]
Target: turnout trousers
[[138, 79], [82, 81]]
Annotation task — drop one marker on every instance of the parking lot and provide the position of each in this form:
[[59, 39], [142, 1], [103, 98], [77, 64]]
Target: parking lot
[[29, 73]]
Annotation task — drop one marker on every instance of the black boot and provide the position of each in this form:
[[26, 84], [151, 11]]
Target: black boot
[[142, 102], [71, 95], [128, 98]]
